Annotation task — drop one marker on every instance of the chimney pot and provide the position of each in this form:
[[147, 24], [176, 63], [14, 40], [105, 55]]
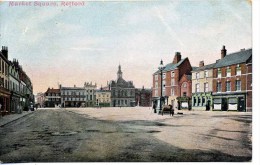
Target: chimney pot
[[223, 52], [201, 64], [177, 58]]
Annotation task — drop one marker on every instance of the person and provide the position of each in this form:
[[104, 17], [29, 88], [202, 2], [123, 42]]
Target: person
[[154, 107]]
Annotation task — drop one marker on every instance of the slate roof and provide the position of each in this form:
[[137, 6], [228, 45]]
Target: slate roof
[[122, 83], [171, 66], [234, 58], [72, 88], [205, 67], [51, 90]]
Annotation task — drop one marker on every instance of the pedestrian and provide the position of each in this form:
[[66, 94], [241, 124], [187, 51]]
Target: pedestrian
[[154, 107]]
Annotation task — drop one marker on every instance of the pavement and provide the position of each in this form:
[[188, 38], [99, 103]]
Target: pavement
[[4, 120]]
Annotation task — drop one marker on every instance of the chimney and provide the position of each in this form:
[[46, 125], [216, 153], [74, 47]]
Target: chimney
[[5, 51], [242, 49], [177, 58], [201, 64], [223, 52]]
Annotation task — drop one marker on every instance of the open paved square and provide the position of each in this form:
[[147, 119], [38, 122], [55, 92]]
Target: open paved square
[[126, 135]]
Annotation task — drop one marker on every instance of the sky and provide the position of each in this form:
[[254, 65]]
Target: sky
[[77, 44]]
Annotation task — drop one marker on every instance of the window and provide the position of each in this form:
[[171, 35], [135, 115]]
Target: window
[[228, 72], [238, 85], [172, 74], [172, 92], [238, 70], [219, 73], [3, 67], [197, 88], [6, 69], [90, 97], [194, 101], [164, 75], [156, 77], [172, 82], [206, 73], [156, 84], [184, 85], [219, 87], [184, 94], [197, 75], [156, 92], [206, 87], [228, 86]]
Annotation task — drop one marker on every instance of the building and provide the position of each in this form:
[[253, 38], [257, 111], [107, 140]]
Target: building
[[232, 81], [103, 98], [14, 87], [52, 98], [176, 83], [73, 96], [90, 94], [143, 97], [40, 100], [5, 94], [122, 92], [202, 83]]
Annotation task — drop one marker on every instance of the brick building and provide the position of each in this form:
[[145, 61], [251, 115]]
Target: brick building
[[52, 98], [143, 97], [176, 83], [232, 83]]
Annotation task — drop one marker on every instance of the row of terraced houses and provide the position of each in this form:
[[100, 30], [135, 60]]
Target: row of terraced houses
[[225, 85], [16, 90]]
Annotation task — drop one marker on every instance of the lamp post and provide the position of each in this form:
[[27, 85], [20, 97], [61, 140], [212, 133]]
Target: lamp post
[[161, 68]]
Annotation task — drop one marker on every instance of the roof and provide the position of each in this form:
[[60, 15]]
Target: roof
[[122, 83], [72, 88], [171, 66], [234, 58], [51, 90], [205, 67]]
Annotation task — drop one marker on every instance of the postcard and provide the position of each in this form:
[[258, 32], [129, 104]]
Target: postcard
[[126, 81]]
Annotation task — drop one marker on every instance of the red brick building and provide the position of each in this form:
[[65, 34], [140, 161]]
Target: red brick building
[[52, 98], [232, 82], [143, 97], [174, 75]]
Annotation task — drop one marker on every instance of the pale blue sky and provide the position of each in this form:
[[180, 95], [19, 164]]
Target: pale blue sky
[[71, 45]]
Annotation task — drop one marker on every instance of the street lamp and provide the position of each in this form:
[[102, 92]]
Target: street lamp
[[161, 68]]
